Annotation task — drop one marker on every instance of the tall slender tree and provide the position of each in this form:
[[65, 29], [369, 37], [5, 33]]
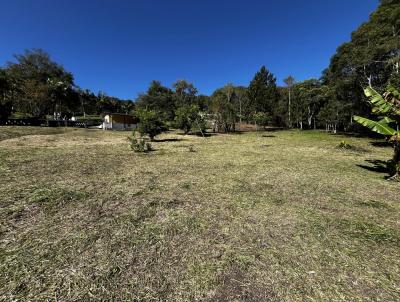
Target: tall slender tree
[[289, 81]]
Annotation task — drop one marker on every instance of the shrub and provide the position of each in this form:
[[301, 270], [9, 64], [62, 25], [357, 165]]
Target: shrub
[[261, 118], [139, 144], [344, 145], [188, 118], [150, 123]]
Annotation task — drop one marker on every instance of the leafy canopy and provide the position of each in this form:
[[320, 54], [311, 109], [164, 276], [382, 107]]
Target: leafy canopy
[[150, 123]]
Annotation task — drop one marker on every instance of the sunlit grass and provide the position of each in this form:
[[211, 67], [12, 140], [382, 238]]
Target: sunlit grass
[[266, 216]]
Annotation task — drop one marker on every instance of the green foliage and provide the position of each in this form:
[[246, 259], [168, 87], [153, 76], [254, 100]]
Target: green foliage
[[261, 118], [371, 58], [262, 91], [189, 118], [344, 145], [36, 86], [381, 127], [224, 109], [289, 81], [167, 101], [150, 123], [158, 98], [388, 104], [185, 93], [140, 145], [5, 102]]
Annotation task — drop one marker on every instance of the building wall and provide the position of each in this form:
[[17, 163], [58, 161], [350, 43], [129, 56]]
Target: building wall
[[119, 123], [120, 126]]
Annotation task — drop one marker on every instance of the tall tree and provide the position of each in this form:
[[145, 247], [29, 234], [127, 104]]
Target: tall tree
[[371, 58], [242, 103], [158, 98], [262, 92], [223, 108], [185, 93], [5, 102], [289, 81], [40, 84]]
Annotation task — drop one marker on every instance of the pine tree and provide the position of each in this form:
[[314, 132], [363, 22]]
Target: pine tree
[[262, 92]]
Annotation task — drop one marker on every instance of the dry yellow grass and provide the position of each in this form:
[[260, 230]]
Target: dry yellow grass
[[275, 216]]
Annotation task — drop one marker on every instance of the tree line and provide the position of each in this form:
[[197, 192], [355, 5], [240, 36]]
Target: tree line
[[37, 86]]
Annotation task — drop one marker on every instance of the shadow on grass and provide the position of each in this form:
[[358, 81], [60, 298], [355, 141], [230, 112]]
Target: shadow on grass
[[382, 144], [239, 132], [274, 129], [378, 166], [164, 140], [359, 134], [268, 135], [205, 134]]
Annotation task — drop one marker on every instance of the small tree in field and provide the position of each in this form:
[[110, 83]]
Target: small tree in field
[[387, 107], [261, 119], [188, 118], [150, 123]]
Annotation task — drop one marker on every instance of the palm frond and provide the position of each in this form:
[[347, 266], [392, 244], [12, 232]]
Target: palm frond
[[381, 105], [378, 127], [386, 120]]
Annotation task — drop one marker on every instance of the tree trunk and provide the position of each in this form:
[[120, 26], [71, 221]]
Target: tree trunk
[[309, 118], [369, 81], [290, 122], [240, 113], [396, 161]]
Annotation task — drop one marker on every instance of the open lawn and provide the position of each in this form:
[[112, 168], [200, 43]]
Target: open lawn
[[271, 216]]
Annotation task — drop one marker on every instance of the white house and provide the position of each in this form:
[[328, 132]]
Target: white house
[[119, 121]]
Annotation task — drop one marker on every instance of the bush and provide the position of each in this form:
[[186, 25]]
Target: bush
[[188, 118], [261, 118], [344, 145], [139, 144], [150, 123]]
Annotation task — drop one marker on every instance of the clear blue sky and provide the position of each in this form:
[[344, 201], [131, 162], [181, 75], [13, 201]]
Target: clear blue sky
[[120, 46]]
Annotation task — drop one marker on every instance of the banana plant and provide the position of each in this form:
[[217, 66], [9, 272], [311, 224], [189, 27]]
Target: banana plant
[[387, 108]]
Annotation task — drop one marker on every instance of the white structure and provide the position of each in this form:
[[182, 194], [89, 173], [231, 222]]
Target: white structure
[[118, 121]]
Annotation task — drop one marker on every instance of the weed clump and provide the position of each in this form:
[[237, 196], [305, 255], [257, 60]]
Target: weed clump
[[139, 144], [344, 145]]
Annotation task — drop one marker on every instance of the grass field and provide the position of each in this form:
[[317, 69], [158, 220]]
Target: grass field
[[272, 216]]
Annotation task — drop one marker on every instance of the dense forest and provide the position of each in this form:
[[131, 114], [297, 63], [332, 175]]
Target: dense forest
[[36, 86]]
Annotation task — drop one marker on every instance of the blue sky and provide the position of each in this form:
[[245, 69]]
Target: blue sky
[[120, 46]]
